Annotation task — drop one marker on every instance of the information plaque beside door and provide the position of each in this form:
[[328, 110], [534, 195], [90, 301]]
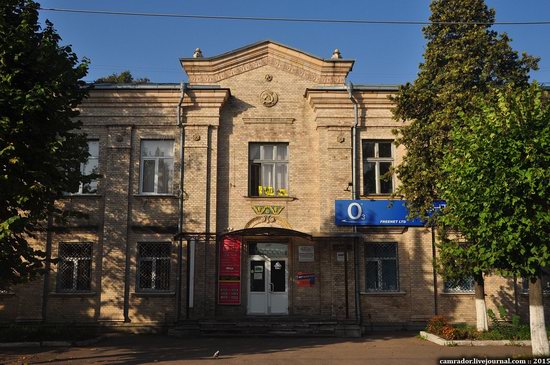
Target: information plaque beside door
[[229, 277], [306, 254]]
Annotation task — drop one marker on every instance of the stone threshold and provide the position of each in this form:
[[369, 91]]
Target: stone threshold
[[88, 342], [442, 342]]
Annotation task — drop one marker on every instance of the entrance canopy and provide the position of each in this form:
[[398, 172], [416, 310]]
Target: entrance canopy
[[268, 231], [255, 231]]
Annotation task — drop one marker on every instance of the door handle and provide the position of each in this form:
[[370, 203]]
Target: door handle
[[271, 287]]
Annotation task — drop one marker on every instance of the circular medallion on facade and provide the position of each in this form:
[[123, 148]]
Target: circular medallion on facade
[[269, 98], [268, 77], [341, 139], [196, 137]]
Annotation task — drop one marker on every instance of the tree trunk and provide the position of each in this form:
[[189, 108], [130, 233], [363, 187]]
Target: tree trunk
[[539, 337], [481, 309]]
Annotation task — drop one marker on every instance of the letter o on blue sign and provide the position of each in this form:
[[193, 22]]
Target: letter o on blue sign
[[359, 211]]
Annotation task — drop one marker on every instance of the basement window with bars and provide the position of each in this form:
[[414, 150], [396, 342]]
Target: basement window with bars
[[74, 273], [154, 266], [462, 285], [381, 267]]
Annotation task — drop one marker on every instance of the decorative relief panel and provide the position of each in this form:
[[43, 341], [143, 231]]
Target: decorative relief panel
[[269, 98]]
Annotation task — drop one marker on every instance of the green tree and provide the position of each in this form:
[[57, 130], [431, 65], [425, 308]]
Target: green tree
[[460, 61], [459, 259], [497, 190], [125, 77], [463, 58], [40, 147]]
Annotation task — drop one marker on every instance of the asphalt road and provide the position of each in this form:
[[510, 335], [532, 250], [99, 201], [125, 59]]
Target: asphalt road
[[381, 348]]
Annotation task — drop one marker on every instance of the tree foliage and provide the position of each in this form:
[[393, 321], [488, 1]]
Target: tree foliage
[[498, 181], [460, 61], [125, 77], [40, 147]]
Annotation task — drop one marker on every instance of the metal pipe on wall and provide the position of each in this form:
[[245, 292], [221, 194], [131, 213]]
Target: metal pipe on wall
[[179, 123], [436, 310], [355, 195], [126, 308], [46, 286]]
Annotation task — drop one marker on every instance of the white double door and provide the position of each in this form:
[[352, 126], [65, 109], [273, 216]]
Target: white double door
[[267, 285]]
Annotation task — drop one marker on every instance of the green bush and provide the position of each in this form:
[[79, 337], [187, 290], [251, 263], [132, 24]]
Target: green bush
[[436, 325]]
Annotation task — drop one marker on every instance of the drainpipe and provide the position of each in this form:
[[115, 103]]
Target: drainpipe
[[355, 195], [180, 210], [47, 266], [434, 271]]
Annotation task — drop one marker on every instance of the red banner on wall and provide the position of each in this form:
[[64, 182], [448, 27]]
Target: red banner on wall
[[229, 277]]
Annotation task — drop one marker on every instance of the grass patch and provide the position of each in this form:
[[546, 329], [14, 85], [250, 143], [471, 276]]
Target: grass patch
[[499, 330]]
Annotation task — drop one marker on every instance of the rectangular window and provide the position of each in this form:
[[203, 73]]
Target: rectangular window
[[464, 285], [377, 162], [268, 169], [157, 166], [90, 167], [381, 267], [154, 266], [74, 272]]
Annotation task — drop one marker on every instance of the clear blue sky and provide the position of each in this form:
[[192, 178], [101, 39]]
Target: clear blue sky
[[384, 54]]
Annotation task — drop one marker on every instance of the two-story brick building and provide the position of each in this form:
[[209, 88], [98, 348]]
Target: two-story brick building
[[218, 199]]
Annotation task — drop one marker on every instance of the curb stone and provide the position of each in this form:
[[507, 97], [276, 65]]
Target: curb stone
[[442, 342], [88, 342]]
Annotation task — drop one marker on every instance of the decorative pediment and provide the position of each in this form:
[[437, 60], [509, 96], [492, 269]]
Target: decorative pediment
[[214, 69]]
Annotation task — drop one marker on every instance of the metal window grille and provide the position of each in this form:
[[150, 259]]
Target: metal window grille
[[74, 272], [381, 267], [377, 162], [462, 285], [268, 169], [154, 266]]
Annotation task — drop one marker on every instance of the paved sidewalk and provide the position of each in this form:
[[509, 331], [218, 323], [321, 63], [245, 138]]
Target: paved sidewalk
[[381, 348]]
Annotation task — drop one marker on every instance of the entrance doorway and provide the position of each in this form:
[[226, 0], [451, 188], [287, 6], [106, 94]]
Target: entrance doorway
[[268, 278]]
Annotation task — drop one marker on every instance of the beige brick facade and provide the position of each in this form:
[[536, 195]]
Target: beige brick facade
[[223, 112]]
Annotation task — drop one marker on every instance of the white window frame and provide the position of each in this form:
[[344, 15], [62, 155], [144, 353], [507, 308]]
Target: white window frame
[[379, 261], [377, 160], [156, 159], [153, 260], [85, 164], [75, 261], [275, 163]]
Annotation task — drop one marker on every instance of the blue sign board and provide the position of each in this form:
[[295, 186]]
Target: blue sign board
[[376, 213]]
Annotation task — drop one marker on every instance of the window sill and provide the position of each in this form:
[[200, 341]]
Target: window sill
[[526, 294], [154, 294], [384, 293], [457, 293], [280, 198], [7, 294], [155, 196], [82, 196], [74, 294], [375, 196]]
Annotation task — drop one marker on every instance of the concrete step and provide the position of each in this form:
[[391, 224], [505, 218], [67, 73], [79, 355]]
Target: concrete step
[[267, 327]]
